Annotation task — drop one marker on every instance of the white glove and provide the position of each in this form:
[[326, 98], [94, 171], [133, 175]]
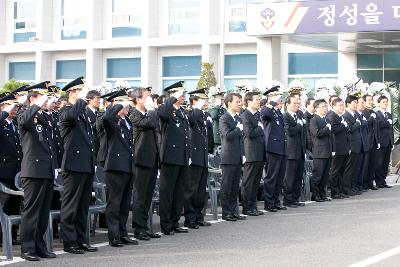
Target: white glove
[[333, 154], [344, 123], [190, 161], [304, 121], [83, 93], [300, 122], [390, 121], [199, 104], [240, 126], [8, 108], [373, 115], [244, 159], [148, 103], [22, 99], [209, 119], [260, 124], [357, 120], [392, 148], [41, 100], [51, 101], [125, 103], [178, 94], [329, 126], [364, 119], [379, 146]]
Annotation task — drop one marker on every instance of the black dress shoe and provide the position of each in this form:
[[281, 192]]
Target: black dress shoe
[[29, 256], [142, 236], [47, 255], [239, 217], [337, 197], [74, 250], [291, 205], [271, 209], [387, 186], [86, 247], [318, 199], [129, 241], [373, 187], [153, 235], [203, 223], [252, 213], [326, 199], [229, 218], [344, 195], [167, 232], [115, 243], [193, 226], [180, 230], [279, 207]]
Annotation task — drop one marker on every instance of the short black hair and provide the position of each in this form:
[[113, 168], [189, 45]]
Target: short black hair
[[32, 94], [137, 92], [154, 96], [308, 101], [249, 97], [318, 102], [331, 97], [161, 99], [350, 98], [229, 98], [336, 100], [193, 98], [365, 97], [92, 94], [289, 98], [382, 97]]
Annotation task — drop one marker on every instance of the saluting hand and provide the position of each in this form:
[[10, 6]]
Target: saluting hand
[[41, 101]]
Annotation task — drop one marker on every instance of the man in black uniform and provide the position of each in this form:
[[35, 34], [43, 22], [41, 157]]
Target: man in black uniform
[[254, 152], [232, 157], [320, 129], [10, 157], [118, 169], [385, 124], [146, 154], [195, 193], [77, 168], [373, 140], [340, 147], [174, 156], [92, 109], [37, 173]]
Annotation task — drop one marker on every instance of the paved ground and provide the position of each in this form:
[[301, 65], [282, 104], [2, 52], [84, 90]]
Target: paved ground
[[337, 233]]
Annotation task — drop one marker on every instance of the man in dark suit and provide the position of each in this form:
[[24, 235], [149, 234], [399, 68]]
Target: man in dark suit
[[295, 151], [10, 158], [275, 148], [147, 160], [320, 129], [216, 113], [92, 109], [195, 193], [340, 147], [353, 161], [365, 147], [373, 140], [37, 173], [77, 168], [308, 114], [174, 156], [210, 130], [253, 138], [385, 144], [232, 156], [118, 169]]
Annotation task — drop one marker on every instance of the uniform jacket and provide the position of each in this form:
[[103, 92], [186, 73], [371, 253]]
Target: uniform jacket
[[274, 131], [216, 113], [253, 136], [198, 138]]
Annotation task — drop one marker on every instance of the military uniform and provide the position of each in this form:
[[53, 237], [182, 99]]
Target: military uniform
[[216, 113]]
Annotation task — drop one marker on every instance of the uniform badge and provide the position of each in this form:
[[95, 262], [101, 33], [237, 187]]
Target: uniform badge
[[35, 120], [39, 128]]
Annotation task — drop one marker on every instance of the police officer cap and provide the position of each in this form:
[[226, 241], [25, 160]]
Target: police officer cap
[[272, 90], [78, 83], [40, 88], [8, 99], [120, 95], [21, 90], [202, 93], [175, 87]]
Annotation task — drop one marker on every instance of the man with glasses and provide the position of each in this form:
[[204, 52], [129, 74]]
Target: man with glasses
[[340, 148], [320, 129]]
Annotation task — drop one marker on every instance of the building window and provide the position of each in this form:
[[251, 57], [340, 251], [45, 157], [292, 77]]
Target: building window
[[73, 19], [22, 71], [126, 19], [183, 17], [67, 70], [182, 68], [240, 69], [379, 67], [128, 69], [24, 20], [311, 67]]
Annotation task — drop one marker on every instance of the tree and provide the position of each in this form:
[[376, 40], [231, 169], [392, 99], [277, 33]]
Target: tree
[[207, 78], [10, 86]]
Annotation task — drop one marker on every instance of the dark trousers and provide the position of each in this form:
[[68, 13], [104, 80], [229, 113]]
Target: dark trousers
[[320, 176], [119, 195], [351, 172], [75, 207], [273, 181], [11, 203], [35, 214], [292, 180], [172, 188], [195, 194], [252, 174], [382, 164], [362, 172], [230, 188], [371, 167], [337, 171], [143, 191]]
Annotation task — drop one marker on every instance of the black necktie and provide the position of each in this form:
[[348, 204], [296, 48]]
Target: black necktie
[[237, 119], [257, 116], [295, 117]]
